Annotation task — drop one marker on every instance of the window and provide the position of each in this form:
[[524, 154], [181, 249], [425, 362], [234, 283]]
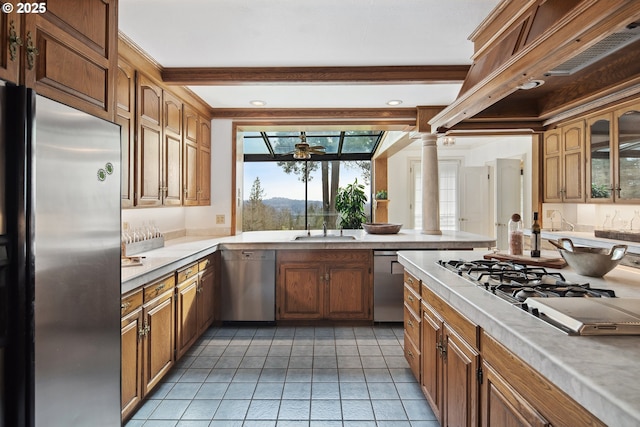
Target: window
[[283, 193]]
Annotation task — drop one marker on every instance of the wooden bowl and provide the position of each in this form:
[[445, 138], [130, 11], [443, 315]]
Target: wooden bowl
[[381, 228]]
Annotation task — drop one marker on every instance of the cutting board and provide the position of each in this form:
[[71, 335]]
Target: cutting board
[[525, 259]]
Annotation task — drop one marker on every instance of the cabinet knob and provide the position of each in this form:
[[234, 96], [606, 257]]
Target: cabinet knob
[[410, 298], [125, 305], [159, 287], [410, 353]]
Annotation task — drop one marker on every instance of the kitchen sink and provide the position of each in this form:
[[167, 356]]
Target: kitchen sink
[[321, 238]]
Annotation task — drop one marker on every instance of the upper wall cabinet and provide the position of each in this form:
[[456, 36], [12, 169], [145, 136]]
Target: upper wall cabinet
[[11, 41], [125, 117], [69, 53], [613, 141], [564, 164]]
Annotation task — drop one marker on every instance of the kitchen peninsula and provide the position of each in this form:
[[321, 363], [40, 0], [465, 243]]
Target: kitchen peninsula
[[524, 361], [181, 251]]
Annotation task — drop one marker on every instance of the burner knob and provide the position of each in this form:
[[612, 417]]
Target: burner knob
[[525, 307], [535, 312]]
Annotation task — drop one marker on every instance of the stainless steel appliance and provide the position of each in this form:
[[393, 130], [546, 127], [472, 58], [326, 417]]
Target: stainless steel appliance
[[575, 308], [61, 284], [248, 286], [388, 283]]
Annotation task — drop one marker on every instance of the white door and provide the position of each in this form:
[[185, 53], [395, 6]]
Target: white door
[[474, 200], [508, 199]]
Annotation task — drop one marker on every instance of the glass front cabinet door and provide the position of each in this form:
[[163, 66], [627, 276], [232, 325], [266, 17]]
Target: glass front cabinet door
[[599, 161], [627, 153]]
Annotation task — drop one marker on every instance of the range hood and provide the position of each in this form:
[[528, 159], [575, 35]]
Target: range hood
[[586, 52]]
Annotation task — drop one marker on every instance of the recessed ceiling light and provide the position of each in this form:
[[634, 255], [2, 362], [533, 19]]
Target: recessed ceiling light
[[257, 103], [531, 84], [394, 102]]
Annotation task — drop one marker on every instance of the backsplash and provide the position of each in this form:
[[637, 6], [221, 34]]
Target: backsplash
[[587, 217]]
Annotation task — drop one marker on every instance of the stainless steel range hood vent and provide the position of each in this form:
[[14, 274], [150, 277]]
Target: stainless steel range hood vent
[[604, 47]]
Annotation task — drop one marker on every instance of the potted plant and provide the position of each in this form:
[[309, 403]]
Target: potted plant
[[350, 202], [381, 195]]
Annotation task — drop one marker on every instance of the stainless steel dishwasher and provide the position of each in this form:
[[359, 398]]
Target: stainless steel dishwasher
[[388, 283], [248, 286]]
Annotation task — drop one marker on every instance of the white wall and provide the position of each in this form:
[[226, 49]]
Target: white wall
[[198, 220], [471, 151]]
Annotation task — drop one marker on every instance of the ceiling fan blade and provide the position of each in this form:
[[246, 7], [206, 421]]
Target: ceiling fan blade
[[317, 147]]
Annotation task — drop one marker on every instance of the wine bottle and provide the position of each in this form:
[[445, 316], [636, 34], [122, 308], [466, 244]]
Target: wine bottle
[[535, 237]]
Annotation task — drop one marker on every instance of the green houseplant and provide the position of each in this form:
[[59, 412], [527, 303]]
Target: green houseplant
[[350, 202], [381, 195]]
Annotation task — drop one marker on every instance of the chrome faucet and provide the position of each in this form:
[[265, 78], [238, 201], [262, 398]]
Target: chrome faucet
[[324, 228]]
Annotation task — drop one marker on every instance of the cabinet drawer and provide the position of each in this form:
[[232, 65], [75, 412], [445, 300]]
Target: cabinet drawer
[[412, 281], [157, 288], [412, 325], [187, 272], [130, 302], [412, 355], [412, 299], [205, 263]]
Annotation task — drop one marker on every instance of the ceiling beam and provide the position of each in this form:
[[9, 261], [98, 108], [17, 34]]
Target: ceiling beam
[[400, 115], [229, 76]]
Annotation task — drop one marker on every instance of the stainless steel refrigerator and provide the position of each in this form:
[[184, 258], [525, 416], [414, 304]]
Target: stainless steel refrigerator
[[60, 264]]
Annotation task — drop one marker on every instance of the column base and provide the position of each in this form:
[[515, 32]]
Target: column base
[[432, 232]]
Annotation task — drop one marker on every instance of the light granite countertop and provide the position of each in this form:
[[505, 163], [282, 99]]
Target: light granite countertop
[[601, 373], [179, 252]]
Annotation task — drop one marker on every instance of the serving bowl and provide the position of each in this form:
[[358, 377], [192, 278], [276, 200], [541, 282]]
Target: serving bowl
[[589, 261], [381, 227]]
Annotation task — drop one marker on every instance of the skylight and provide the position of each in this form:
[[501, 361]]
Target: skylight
[[278, 146]]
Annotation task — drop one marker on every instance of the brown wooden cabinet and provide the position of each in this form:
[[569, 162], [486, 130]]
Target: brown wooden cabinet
[[186, 308], [515, 394], [125, 117], [412, 324], [11, 40], [564, 165], [69, 54], [172, 150], [324, 285], [158, 314], [208, 292], [204, 162], [131, 352], [149, 158], [450, 362]]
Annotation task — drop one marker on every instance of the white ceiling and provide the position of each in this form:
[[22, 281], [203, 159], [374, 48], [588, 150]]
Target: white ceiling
[[308, 33]]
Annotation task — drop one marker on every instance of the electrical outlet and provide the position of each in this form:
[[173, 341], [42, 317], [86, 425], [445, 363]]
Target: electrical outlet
[[219, 219]]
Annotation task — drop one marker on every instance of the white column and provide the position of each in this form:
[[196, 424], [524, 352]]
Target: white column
[[430, 187]]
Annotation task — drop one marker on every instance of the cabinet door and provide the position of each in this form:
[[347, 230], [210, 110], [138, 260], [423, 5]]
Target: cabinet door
[[300, 290], [131, 360], [627, 155], [186, 315], [172, 151], [76, 57], [158, 317], [503, 406], [431, 378], [125, 117], [460, 368], [206, 300], [552, 167], [190, 162], [9, 39], [348, 292], [599, 162], [204, 162], [573, 162], [149, 143]]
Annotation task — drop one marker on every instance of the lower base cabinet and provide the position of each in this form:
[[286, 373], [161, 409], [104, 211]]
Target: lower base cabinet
[[324, 285], [468, 387], [160, 322]]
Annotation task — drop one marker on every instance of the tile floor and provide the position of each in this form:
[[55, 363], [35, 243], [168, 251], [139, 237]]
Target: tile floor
[[290, 376]]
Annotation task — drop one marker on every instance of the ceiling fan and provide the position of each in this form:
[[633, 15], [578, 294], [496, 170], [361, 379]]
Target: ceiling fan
[[303, 151]]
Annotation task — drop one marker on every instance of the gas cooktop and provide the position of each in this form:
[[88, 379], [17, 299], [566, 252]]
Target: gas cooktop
[[540, 293]]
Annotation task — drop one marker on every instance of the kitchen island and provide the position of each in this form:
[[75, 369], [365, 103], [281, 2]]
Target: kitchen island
[[600, 373]]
